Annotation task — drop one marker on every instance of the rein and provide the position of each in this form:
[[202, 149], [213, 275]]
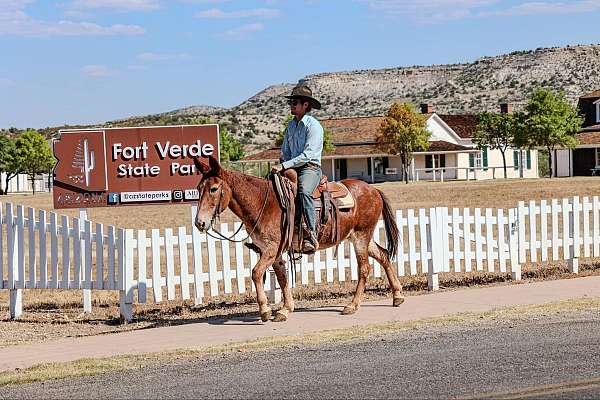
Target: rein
[[217, 215]]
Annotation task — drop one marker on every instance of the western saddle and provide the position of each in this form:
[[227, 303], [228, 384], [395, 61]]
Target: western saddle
[[328, 194]]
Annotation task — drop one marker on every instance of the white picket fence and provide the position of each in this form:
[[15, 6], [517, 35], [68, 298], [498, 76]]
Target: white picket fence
[[46, 251]]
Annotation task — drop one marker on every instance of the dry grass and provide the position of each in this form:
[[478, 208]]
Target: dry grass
[[497, 194], [56, 313], [89, 367]]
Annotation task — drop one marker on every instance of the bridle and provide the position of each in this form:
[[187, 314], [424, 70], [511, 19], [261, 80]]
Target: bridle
[[217, 216]]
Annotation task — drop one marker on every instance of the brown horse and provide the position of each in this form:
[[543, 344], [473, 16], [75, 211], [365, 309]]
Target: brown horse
[[255, 202]]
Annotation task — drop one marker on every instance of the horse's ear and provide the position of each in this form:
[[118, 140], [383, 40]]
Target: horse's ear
[[214, 165], [203, 168]]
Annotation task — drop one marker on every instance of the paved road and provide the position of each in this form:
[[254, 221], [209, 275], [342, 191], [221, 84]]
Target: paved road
[[547, 356]]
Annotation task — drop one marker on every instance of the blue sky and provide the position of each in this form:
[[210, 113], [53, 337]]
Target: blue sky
[[89, 61]]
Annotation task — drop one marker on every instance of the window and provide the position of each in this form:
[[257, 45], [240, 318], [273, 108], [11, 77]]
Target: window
[[478, 160], [440, 161], [380, 164], [517, 159], [598, 111]]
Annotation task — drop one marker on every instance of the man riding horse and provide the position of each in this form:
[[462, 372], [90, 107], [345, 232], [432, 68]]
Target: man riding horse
[[301, 150]]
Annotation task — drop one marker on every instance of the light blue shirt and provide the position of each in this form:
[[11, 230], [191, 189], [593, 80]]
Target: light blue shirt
[[303, 143]]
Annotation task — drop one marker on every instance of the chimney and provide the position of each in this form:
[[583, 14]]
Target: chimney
[[426, 108], [506, 108]]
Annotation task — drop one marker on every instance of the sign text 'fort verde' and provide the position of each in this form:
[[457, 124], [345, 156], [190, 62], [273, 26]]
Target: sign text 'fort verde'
[[130, 166]]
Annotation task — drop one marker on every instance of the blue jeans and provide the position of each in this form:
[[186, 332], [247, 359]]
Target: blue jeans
[[308, 179]]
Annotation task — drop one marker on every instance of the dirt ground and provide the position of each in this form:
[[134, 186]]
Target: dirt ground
[[52, 314]]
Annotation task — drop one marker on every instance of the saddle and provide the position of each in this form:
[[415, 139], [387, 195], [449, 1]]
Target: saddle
[[336, 192], [328, 198]]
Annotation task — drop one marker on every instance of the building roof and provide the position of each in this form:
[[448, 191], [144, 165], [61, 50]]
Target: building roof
[[465, 125], [591, 95], [587, 138], [359, 150], [366, 129], [357, 137], [353, 130]]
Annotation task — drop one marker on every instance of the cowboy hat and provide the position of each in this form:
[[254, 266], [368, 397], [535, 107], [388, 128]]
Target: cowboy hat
[[304, 92]]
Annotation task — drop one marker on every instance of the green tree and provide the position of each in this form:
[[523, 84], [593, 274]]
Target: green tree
[[34, 154], [498, 131], [231, 148], [8, 161], [550, 122], [327, 136], [402, 132]]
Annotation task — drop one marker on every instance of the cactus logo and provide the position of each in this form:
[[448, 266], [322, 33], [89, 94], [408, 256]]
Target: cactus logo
[[81, 162]]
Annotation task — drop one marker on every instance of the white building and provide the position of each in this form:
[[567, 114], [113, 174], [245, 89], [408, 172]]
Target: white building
[[584, 160], [451, 155], [22, 184]]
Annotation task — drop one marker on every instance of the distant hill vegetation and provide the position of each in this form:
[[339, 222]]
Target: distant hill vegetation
[[457, 88]]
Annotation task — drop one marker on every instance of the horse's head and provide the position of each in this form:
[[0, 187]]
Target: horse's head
[[214, 193]]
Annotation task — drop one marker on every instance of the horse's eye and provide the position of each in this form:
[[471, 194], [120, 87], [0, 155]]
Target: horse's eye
[[213, 189]]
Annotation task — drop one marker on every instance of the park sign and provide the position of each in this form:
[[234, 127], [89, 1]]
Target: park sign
[[130, 166]]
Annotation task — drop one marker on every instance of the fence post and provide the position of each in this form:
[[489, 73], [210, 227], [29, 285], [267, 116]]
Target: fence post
[[433, 236], [513, 243], [574, 236], [87, 293], [15, 304], [125, 243], [274, 294]]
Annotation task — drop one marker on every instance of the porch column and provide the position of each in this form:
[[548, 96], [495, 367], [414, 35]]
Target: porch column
[[433, 166], [570, 162], [412, 169], [332, 169], [372, 169], [521, 167]]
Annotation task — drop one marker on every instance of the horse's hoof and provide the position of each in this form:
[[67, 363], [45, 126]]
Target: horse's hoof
[[266, 316], [398, 301], [280, 317], [349, 310]]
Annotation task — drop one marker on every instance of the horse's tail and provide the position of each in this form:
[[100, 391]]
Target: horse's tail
[[391, 228]]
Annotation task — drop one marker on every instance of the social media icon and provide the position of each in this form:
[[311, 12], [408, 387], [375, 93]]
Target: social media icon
[[177, 195], [113, 198]]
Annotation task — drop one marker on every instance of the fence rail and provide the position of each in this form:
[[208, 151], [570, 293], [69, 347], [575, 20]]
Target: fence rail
[[43, 250]]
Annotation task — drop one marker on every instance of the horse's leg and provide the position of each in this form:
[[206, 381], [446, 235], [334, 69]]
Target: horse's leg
[[258, 273], [381, 255], [288, 301], [360, 240]]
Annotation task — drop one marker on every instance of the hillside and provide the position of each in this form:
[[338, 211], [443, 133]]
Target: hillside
[[457, 88]]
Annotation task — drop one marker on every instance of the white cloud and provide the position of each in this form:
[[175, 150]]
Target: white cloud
[[137, 67], [118, 5], [15, 21], [205, 1], [242, 32], [428, 10], [99, 71], [6, 82], [431, 11], [546, 7], [149, 56], [216, 13]]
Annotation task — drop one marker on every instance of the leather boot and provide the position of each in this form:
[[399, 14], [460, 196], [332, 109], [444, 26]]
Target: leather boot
[[310, 244]]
